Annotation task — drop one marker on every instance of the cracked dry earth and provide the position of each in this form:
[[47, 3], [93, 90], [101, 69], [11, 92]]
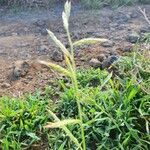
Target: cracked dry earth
[[24, 40]]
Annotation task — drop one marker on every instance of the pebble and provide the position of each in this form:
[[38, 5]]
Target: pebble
[[101, 57], [121, 18], [5, 85], [107, 63], [20, 69], [133, 15], [107, 44], [133, 37], [95, 63], [57, 56], [145, 29], [40, 23], [43, 49], [127, 48]]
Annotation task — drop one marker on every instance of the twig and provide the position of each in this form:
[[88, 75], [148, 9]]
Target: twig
[[144, 14]]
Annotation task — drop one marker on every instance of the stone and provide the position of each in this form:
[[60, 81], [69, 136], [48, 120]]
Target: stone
[[133, 15], [107, 44], [43, 49], [5, 85], [110, 60], [114, 25], [133, 37], [43, 32], [101, 57], [95, 63], [145, 29], [121, 18], [20, 69], [40, 23], [57, 56], [127, 48]]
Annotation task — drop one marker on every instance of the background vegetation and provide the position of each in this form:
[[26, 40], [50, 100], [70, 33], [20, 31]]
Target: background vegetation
[[85, 3]]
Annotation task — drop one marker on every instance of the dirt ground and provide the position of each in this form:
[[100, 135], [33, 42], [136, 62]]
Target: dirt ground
[[23, 38]]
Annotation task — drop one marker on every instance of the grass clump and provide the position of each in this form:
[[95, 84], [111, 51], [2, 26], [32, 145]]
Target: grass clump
[[21, 121], [115, 117]]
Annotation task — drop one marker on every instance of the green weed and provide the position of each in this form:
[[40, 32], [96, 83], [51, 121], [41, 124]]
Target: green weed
[[70, 72], [115, 117], [105, 112], [21, 121]]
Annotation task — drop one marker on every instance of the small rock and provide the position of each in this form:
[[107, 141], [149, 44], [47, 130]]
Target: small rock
[[114, 25], [133, 15], [95, 63], [42, 49], [127, 48], [43, 32], [107, 63], [101, 57], [133, 37], [145, 29], [107, 44], [14, 34], [40, 23], [30, 77], [20, 69], [121, 18], [5, 85], [57, 56]]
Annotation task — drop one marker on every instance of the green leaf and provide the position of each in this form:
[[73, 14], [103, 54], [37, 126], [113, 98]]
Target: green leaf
[[62, 146], [106, 80], [67, 131], [126, 141], [132, 93], [33, 136]]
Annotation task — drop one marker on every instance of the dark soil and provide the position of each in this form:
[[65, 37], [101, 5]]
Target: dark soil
[[23, 38]]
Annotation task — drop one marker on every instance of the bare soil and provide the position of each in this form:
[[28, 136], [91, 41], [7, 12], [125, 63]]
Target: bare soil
[[23, 37]]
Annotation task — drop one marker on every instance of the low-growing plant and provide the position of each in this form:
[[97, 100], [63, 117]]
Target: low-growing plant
[[106, 111], [21, 121], [71, 73], [118, 120], [146, 38]]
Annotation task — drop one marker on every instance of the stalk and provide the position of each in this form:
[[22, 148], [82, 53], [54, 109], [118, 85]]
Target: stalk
[[75, 84]]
